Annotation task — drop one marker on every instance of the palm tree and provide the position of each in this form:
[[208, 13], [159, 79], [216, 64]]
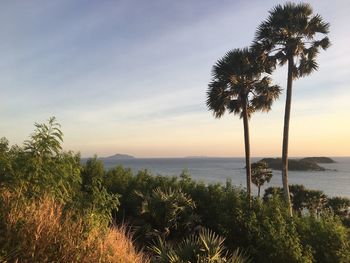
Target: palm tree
[[204, 246], [240, 86], [288, 36], [261, 173]]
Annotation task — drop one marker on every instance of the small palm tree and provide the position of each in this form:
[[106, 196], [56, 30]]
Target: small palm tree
[[288, 36], [261, 173], [203, 247], [239, 86], [167, 210]]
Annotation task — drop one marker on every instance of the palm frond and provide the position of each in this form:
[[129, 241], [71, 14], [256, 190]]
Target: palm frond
[[290, 31], [234, 78]]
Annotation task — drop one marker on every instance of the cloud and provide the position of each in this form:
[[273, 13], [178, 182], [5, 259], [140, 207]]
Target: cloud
[[110, 70]]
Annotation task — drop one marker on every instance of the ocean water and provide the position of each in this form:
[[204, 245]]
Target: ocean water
[[334, 182]]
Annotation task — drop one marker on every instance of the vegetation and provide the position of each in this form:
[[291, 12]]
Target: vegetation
[[173, 219], [205, 246], [289, 35], [240, 87], [39, 230], [264, 230], [261, 174], [53, 208]]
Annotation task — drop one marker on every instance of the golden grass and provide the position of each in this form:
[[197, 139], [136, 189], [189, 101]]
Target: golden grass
[[37, 231]]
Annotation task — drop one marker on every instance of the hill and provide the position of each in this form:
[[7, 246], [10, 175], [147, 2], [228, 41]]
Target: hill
[[119, 156], [306, 164], [319, 159]]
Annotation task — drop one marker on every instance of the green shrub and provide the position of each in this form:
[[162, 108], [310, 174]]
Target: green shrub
[[327, 237]]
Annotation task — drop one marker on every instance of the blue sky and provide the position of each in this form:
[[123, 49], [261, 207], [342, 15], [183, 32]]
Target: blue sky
[[131, 77]]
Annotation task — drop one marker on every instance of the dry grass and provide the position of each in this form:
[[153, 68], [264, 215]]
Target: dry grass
[[38, 232]]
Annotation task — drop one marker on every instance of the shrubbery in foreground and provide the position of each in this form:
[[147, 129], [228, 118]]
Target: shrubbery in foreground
[[40, 231], [264, 230], [53, 208]]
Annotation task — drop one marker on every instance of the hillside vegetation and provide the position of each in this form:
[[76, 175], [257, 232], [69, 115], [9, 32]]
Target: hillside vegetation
[[53, 209]]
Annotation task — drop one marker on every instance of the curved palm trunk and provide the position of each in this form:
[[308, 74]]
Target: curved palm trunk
[[286, 135], [247, 147]]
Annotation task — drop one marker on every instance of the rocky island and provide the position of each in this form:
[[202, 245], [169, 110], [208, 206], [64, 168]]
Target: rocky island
[[319, 159], [304, 164]]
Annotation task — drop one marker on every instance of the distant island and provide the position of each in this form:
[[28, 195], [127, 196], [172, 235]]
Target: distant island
[[319, 159], [198, 157], [119, 156], [304, 164]]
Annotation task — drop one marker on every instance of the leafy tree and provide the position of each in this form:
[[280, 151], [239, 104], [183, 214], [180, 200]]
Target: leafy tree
[[314, 201], [46, 139], [238, 86], [289, 36], [261, 173], [40, 167], [341, 207], [328, 239], [96, 198]]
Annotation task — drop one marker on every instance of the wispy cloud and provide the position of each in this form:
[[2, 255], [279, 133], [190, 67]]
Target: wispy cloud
[[113, 72]]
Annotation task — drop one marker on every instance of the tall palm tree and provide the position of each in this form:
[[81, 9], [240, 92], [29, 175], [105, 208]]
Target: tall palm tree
[[240, 86], [289, 35]]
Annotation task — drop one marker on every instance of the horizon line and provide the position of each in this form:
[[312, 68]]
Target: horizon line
[[209, 157]]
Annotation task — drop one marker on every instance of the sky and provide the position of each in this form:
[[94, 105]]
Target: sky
[[131, 77]]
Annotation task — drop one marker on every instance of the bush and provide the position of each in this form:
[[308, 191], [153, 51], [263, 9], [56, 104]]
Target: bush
[[39, 231], [95, 200], [327, 237]]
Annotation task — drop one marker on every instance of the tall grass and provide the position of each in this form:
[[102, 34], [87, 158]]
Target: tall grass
[[39, 231]]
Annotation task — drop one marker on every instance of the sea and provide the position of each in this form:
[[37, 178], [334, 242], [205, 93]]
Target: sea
[[335, 181]]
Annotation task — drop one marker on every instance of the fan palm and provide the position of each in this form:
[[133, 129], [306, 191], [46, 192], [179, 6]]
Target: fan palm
[[239, 86], [202, 247], [289, 36]]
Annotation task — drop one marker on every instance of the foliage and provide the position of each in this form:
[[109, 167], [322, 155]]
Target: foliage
[[238, 78], [37, 217], [328, 239], [95, 197], [341, 207], [46, 140], [240, 86], [314, 201], [39, 231], [289, 33], [165, 211], [40, 167], [265, 230], [261, 173], [204, 247]]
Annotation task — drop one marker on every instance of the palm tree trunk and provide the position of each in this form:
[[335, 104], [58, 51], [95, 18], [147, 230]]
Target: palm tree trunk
[[286, 135], [259, 191], [247, 147]]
